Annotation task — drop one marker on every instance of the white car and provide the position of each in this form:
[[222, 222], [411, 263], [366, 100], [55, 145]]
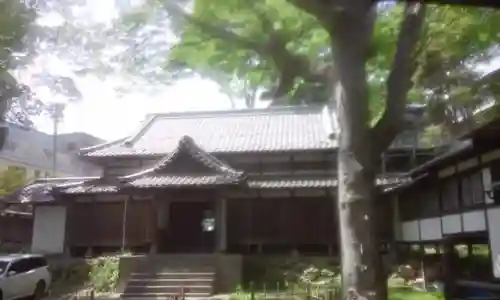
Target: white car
[[23, 275]]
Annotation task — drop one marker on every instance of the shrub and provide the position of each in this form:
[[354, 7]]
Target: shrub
[[103, 273]]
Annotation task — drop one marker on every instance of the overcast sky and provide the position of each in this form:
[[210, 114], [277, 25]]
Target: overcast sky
[[103, 112]]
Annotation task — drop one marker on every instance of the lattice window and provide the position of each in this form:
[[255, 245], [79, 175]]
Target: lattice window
[[429, 202], [466, 191], [450, 195], [477, 188]]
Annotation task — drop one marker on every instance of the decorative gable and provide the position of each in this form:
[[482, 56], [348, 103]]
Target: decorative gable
[[187, 165], [189, 158]]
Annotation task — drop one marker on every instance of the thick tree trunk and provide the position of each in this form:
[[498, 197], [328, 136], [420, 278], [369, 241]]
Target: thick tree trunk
[[362, 274]]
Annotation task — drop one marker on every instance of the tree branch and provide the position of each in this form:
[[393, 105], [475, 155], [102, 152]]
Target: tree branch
[[324, 10], [214, 30], [320, 9], [400, 78], [289, 65]]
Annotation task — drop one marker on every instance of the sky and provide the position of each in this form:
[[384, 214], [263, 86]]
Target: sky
[[105, 113]]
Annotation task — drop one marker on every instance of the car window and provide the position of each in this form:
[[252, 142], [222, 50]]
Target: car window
[[37, 262], [3, 266], [30, 264], [20, 266]]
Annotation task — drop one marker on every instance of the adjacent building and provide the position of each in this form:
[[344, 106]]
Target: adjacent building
[[32, 152], [451, 205]]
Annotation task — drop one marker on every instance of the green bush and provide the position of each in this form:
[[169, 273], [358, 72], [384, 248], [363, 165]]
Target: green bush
[[103, 273], [100, 273]]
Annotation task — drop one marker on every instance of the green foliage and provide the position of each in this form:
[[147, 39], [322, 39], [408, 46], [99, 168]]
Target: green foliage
[[246, 57], [268, 270], [230, 37], [100, 274], [11, 180], [395, 293], [15, 18], [104, 273], [406, 293]]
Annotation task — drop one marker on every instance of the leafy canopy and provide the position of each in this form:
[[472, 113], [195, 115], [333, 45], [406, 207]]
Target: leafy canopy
[[233, 37]]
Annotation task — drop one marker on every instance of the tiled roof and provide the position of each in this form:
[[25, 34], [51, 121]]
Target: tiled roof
[[42, 191], [90, 189], [190, 160], [182, 181], [312, 181], [90, 186], [291, 183], [250, 130]]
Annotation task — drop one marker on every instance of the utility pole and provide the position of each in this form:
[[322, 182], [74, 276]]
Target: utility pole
[[56, 114]]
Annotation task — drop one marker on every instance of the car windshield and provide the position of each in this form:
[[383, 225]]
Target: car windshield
[[3, 266]]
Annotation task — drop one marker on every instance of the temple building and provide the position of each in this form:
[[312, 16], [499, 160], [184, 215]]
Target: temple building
[[242, 181]]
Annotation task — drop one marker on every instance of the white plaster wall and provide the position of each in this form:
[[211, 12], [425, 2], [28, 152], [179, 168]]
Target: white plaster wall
[[430, 229], [410, 231], [474, 221], [452, 224], [493, 224], [49, 228]]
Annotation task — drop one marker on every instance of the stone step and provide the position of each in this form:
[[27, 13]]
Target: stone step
[[174, 289], [185, 271], [167, 276], [162, 295], [165, 297], [171, 275], [180, 260], [171, 281]]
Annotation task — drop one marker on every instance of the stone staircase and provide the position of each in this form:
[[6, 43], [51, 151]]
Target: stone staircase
[[170, 284], [171, 276]]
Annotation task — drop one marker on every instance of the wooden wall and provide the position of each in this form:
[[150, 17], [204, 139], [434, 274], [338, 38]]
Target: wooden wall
[[101, 223], [16, 229], [280, 221]]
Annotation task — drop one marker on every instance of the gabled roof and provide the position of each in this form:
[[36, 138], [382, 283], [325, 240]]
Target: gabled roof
[[187, 165], [248, 130]]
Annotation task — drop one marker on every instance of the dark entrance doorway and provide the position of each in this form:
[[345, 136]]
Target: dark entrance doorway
[[191, 227]]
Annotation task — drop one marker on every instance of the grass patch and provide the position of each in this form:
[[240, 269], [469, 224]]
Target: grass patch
[[407, 293], [395, 293]]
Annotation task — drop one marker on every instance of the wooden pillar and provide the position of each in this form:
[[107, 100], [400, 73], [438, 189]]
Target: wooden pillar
[[221, 224], [67, 232], [158, 216], [161, 211], [448, 272], [421, 255], [124, 223]]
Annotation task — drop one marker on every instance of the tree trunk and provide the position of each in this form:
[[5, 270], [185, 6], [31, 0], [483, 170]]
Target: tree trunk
[[362, 273]]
